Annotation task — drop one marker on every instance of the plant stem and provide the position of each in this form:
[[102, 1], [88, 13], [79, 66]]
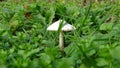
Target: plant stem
[[61, 44]]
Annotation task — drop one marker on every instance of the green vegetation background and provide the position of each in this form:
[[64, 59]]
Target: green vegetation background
[[25, 43]]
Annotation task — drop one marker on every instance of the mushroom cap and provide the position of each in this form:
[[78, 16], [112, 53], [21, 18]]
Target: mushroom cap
[[65, 26]]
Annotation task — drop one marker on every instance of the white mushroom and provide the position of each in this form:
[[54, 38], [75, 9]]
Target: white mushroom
[[63, 26]]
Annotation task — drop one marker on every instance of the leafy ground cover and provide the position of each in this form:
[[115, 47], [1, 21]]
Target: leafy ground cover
[[25, 43]]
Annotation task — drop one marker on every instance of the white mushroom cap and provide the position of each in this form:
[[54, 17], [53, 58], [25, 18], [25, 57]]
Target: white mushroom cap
[[65, 27]]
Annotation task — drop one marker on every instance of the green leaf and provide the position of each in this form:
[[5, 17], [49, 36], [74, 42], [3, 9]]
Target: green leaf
[[65, 63], [116, 53], [106, 26], [101, 62], [5, 35], [45, 60], [32, 52], [52, 52], [83, 66], [72, 50], [91, 52]]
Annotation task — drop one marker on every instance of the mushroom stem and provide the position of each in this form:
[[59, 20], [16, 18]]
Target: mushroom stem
[[61, 43]]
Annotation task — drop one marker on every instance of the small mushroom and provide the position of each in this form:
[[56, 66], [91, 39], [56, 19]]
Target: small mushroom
[[63, 26]]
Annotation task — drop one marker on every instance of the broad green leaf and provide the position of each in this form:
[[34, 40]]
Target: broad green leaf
[[116, 53], [101, 62], [106, 26], [45, 59], [65, 63], [91, 52], [83, 66]]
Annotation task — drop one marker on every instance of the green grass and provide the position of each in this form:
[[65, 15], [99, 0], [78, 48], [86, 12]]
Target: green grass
[[25, 42]]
